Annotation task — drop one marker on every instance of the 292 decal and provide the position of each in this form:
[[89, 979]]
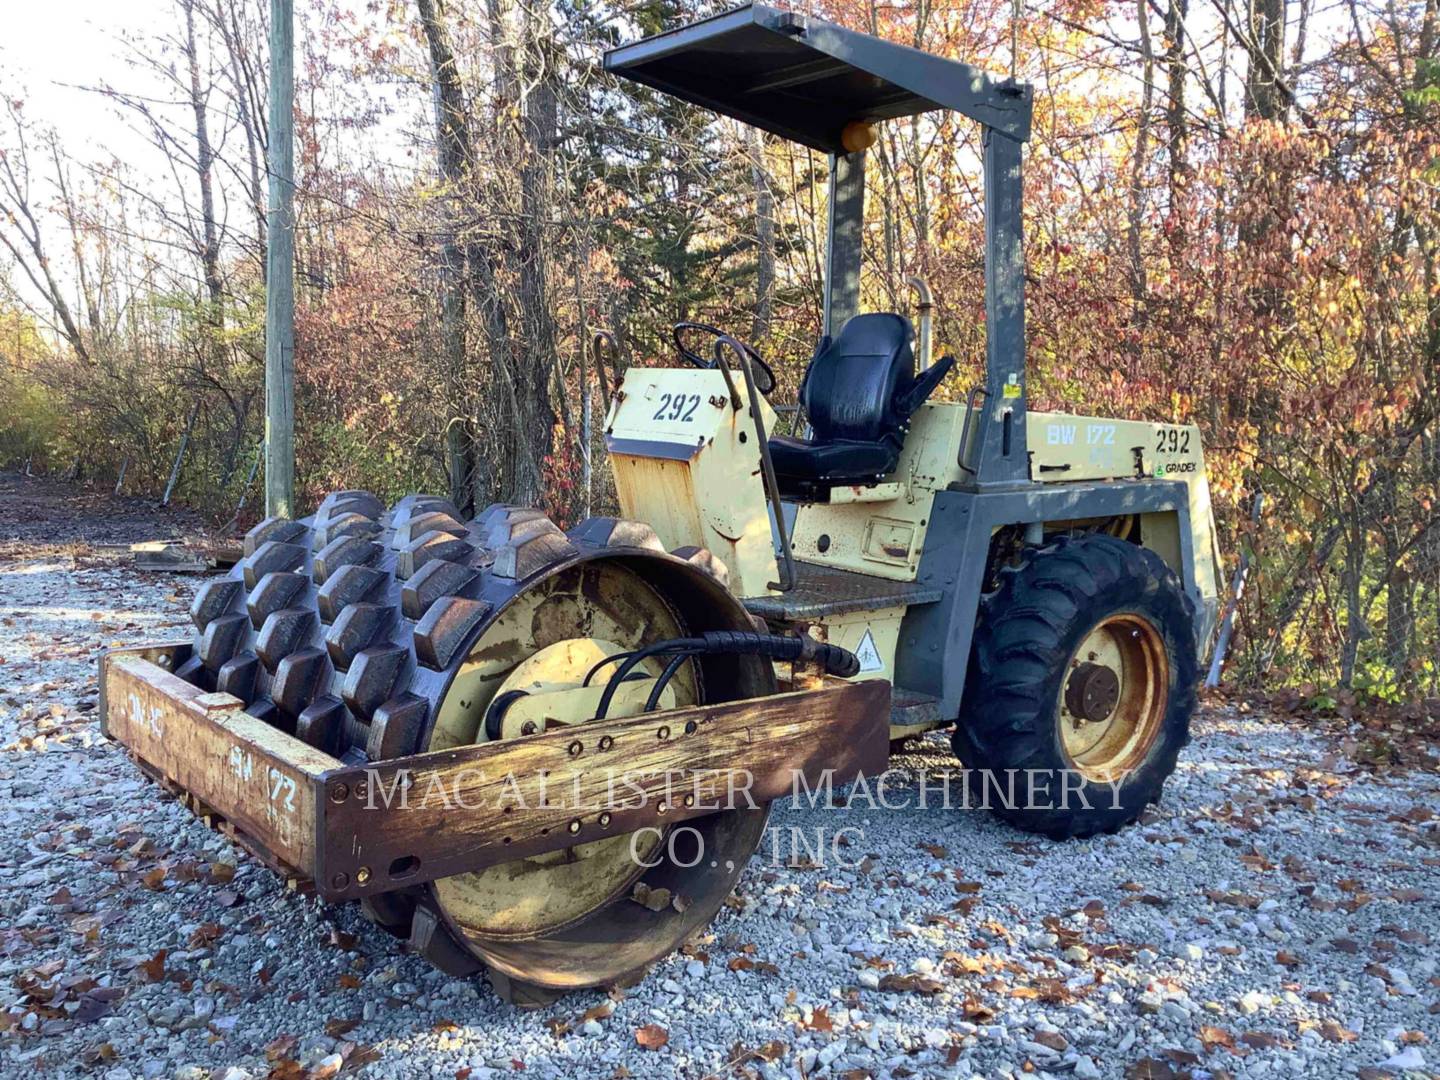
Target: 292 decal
[[679, 407], [1172, 440]]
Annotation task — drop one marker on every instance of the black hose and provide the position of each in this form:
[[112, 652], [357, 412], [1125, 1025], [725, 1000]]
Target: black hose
[[607, 660], [834, 659], [639, 656], [671, 668]]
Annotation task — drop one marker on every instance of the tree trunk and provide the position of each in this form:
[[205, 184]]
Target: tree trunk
[[764, 239], [204, 172], [1176, 122], [452, 137], [1266, 95], [1138, 164], [1355, 628]]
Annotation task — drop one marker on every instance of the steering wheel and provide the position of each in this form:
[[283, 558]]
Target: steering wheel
[[764, 377]]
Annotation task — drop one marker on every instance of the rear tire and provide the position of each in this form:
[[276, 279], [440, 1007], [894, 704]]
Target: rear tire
[[1123, 604]]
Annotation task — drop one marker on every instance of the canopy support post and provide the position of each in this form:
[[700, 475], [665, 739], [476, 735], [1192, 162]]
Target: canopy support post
[[844, 239], [1002, 459]]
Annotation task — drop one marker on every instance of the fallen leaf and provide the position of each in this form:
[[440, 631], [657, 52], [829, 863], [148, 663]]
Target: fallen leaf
[[913, 983], [652, 1036], [977, 1013], [154, 968], [336, 1028], [97, 1055], [1336, 1033], [773, 1050], [1149, 1069], [281, 1047], [361, 1054], [349, 982], [1212, 1037], [1260, 1040], [92, 1007]]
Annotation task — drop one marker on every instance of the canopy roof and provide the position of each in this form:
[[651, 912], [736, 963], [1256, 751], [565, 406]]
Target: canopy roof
[[804, 79]]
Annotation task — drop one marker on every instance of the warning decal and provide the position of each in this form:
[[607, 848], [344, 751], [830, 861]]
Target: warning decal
[[869, 655]]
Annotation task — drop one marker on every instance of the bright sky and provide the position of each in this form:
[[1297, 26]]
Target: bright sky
[[46, 48]]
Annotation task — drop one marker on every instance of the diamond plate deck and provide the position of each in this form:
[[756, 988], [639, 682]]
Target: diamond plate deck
[[825, 590]]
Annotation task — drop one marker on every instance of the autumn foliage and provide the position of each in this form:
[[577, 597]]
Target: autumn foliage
[[1220, 228]]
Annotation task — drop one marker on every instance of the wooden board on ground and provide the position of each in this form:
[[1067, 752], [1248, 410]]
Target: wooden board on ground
[[179, 557]]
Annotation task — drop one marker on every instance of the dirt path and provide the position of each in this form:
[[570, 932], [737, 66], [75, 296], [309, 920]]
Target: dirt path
[[1277, 915], [37, 512]]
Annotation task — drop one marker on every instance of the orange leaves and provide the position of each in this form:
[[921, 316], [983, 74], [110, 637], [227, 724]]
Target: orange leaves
[[819, 1020], [652, 1036]]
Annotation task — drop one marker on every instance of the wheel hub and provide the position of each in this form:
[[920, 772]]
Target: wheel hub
[[1092, 692], [1113, 701]]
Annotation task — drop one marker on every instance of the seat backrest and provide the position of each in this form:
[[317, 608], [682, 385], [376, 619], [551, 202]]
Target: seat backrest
[[851, 385]]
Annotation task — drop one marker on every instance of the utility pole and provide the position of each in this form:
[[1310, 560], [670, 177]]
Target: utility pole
[[280, 269]]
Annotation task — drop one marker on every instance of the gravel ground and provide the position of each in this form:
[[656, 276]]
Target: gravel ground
[[1276, 916]]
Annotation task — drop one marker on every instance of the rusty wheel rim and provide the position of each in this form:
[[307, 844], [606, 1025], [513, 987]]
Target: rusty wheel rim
[[541, 895], [1112, 704]]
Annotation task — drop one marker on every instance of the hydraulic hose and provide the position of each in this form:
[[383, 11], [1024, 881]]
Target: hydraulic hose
[[834, 659]]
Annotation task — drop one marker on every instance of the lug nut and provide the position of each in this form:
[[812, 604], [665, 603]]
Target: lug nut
[[663, 733], [362, 876], [339, 793], [605, 820], [528, 728], [576, 748], [574, 826], [340, 880], [606, 742]]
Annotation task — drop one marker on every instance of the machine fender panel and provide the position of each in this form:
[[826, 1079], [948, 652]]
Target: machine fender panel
[[934, 646]]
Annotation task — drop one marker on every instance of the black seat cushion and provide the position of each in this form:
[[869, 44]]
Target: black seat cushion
[[858, 393], [802, 460]]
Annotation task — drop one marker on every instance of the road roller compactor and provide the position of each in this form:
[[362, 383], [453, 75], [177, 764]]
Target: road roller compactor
[[549, 754]]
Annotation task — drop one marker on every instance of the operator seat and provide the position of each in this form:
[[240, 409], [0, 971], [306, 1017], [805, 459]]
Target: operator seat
[[859, 393]]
